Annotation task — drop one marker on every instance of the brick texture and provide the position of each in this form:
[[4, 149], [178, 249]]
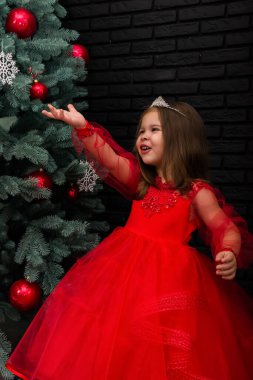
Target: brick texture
[[198, 51]]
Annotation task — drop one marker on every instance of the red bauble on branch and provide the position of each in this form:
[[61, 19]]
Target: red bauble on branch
[[24, 295], [80, 51], [44, 181], [73, 192], [38, 90], [22, 22]]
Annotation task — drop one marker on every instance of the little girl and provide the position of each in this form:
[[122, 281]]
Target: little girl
[[144, 305]]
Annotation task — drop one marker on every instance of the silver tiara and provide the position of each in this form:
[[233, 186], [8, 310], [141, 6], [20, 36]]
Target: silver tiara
[[160, 102]]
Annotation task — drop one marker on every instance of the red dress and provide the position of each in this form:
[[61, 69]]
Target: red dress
[[143, 305]]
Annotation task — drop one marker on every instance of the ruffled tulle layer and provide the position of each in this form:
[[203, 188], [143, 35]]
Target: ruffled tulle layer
[[134, 309]]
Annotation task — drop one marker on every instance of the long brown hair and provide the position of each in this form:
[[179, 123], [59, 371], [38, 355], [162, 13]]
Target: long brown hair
[[185, 156]]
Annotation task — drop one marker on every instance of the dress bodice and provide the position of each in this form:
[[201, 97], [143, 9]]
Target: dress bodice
[[163, 213]]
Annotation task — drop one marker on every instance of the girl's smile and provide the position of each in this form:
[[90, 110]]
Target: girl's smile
[[144, 148]]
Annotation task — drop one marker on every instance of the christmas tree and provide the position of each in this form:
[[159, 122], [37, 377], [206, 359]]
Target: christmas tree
[[45, 221]]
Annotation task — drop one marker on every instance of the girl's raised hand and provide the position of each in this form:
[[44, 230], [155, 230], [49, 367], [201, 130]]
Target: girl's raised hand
[[72, 117], [226, 265]]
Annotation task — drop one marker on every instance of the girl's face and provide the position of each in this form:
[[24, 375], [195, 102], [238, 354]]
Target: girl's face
[[149, 143]]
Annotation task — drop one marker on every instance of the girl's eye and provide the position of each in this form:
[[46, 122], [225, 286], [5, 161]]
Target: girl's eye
[[141, 131], [155, 129]]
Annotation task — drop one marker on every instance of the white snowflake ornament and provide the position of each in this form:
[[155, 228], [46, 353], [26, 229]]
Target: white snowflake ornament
[[8, 69], [89, 180]]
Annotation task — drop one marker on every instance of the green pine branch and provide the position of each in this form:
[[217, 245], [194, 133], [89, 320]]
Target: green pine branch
[[26, 188], [5, 349]]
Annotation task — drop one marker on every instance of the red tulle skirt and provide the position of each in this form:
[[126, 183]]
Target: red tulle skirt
[[129, 310]]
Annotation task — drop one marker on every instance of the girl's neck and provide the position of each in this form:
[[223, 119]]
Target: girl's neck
[[163, 180], [164, 185]]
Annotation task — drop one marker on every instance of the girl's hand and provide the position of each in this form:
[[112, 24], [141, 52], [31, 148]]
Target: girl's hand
[[227, 265], [71, 117]]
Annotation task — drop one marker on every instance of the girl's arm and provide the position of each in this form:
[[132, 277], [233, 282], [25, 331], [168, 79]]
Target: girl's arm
[[223, 235], [223, 232], [116, 166], [220, 225]]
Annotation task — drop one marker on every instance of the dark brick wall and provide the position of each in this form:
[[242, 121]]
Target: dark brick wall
[[198, 51]]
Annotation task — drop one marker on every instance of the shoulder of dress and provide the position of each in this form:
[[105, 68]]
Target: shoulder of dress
[[198, 185]]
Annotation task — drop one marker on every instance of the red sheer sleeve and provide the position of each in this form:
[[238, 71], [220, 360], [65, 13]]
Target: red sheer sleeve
[[219, 224], [117, 167]]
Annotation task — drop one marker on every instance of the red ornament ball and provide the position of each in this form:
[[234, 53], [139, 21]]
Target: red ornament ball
[[73, 192], [38, 90], [80, 51], [22, 22], [44, 181], [24, 295]]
